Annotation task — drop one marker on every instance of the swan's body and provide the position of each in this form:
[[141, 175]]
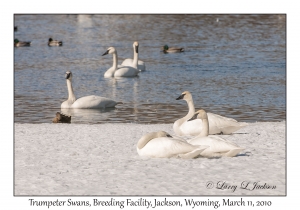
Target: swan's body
[[217, 124], [17, 43], [129, 62], [162, 145], [167, 49], [122, 71], [87, 102], [217, 146], [52, 42]]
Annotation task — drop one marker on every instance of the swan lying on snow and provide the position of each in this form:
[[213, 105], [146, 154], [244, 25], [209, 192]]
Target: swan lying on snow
[[87, 102], [162, 145], [130, 62], [217, 124], [217, 146], [122, 71]]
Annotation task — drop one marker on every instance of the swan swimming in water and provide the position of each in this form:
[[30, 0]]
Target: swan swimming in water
[[217, 146], [122, 71], [217, 124], [87, 102], [130, 62], [162, 145]]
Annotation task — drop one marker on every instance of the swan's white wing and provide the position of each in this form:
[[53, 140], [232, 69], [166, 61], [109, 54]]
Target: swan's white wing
[[218, 124], [129, 62], [126, 72], [164, 147], [217, 144], [191, 128], [93, 102]]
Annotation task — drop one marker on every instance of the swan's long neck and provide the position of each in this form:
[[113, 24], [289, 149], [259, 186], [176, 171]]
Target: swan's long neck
[[115, 60], [72, 97], [145, 139], [135, 58], [191, 109], [205, 128]]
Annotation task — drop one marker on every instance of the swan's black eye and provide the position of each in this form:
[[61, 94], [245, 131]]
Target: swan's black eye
[[168, 135]]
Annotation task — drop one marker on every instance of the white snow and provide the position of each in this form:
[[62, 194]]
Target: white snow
[[101, 159]]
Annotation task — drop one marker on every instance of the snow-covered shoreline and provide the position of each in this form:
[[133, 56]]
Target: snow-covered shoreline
[[101, 159]]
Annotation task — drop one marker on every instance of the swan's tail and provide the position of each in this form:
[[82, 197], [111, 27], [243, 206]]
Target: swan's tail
[[233, 152], [195, 153]]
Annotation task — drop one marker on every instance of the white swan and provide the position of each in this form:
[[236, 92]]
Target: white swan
[[217, 124], [217, 146], [130, 62], [162, 145], [121, 71], [87, 102]]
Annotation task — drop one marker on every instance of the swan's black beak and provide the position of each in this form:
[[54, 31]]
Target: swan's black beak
[[137, 49], [105, 52], [169, 136], [194, 117], [180, 97], [67, 75]]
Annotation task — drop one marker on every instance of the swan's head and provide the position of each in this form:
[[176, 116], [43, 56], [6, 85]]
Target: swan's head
[[200, 114], [162, 134], [136, 46], [186, 95], [50, 39], [68, 75], [110, 50]]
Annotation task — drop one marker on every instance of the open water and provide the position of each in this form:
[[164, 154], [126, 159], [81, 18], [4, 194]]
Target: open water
[[234, 65]]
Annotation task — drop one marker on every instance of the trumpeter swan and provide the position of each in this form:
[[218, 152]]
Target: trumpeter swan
[[162, 145], [217, 124], [217, 146], [130, 62], [87, 102], [123, 71]]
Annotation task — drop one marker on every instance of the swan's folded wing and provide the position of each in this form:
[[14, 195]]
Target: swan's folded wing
[[217, 144], [192, 127], [93, 102]]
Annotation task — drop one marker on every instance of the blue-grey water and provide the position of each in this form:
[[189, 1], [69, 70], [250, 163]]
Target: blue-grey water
[[234, 65]]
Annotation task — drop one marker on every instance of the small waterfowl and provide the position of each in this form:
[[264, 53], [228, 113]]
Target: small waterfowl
[[218, 146], [167, 49], [61, 118], [122, 71], [163, 145], [17, 43], [217, 124], [87, 102], [130, 62], [52, 42]]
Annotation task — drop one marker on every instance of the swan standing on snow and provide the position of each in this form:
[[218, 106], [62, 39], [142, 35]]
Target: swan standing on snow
[[162, 145], [217, 146], [87, 102], [217, 124], [122, 71], [130, 62]]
